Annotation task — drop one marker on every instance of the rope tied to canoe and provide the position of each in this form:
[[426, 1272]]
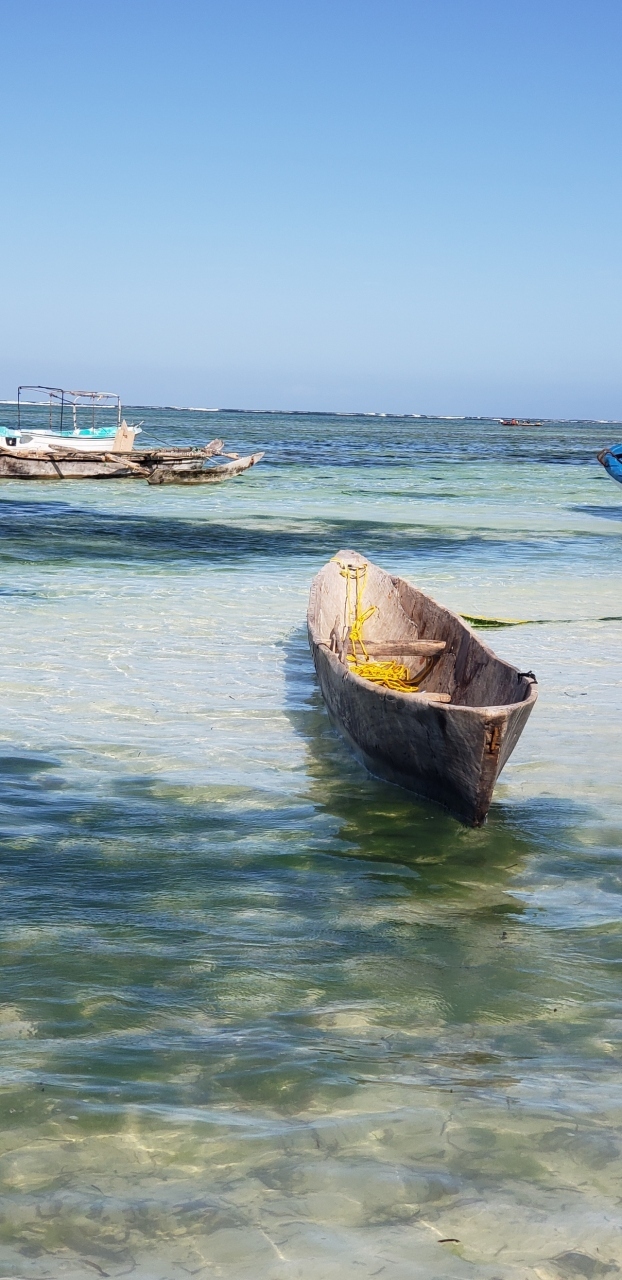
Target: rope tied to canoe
[[392, 675]]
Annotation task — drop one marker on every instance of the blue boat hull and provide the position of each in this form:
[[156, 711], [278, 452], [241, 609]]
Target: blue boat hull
[[611, 460]]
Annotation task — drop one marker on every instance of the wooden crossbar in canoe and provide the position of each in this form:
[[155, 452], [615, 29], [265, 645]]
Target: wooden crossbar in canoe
[[405, 648]]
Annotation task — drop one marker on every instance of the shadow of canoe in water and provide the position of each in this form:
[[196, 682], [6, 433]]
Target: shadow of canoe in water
[[378, 821]]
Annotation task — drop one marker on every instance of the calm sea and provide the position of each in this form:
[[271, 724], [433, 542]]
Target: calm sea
[[263, 1017]]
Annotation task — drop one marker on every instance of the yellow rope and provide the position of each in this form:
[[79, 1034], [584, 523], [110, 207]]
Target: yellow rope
[[392, 675]]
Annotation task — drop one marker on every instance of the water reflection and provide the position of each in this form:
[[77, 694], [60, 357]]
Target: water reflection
[[359, 1025], [383, 822]]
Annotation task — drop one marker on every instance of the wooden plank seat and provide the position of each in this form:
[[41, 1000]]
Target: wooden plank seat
[[404, 648]]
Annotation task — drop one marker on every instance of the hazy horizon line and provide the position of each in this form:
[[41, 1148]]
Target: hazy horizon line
[[506, 419]]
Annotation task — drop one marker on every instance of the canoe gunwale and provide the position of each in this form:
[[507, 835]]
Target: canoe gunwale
[[487, 710]]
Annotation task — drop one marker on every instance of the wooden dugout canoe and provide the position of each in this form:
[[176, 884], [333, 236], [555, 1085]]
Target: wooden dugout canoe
[[449, 741], [196, 473]]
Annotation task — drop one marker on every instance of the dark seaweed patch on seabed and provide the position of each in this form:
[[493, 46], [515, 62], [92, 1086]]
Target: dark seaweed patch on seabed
[[604, 513], [48, 532], [125, 916]]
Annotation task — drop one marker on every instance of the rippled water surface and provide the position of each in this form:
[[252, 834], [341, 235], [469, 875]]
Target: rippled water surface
[[262, 1016]]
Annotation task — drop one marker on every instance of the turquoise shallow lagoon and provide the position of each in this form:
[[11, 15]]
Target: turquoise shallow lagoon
[[263, 1017]]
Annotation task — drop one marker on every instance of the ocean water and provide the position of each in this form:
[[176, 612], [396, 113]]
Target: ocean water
[[263, 1017]]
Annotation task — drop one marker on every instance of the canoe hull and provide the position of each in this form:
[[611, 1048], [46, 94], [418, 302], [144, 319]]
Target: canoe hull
[[428, 748], [611, 460], [450, 754], [198, 474], [64, 467]]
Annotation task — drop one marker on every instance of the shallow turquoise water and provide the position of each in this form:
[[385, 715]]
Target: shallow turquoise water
[[262, 1015]]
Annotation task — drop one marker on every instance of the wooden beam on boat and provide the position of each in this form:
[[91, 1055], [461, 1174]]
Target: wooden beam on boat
[[127, 462], [177, 453]]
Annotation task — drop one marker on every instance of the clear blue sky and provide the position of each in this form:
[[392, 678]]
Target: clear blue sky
[[399, 205]]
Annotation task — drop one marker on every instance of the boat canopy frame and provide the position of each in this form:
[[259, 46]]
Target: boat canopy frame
[[57, 397]]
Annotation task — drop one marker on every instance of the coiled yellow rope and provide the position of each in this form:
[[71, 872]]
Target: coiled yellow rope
[[392, 675]]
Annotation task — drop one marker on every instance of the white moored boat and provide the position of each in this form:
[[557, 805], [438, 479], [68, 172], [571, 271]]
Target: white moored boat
[[88, 421]]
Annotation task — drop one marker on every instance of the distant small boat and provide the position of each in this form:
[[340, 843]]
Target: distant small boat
[[519, 422], [422, 701], [611, 460]]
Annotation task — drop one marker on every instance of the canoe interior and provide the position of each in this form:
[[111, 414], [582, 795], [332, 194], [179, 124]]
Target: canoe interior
[[465, 668]]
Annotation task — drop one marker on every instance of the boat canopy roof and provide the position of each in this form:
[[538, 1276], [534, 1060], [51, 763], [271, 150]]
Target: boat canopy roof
[[61, 399]]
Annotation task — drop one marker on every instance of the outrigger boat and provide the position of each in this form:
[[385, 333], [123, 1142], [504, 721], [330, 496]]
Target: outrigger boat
[[421, 700], [81, 435], [156, 466]]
